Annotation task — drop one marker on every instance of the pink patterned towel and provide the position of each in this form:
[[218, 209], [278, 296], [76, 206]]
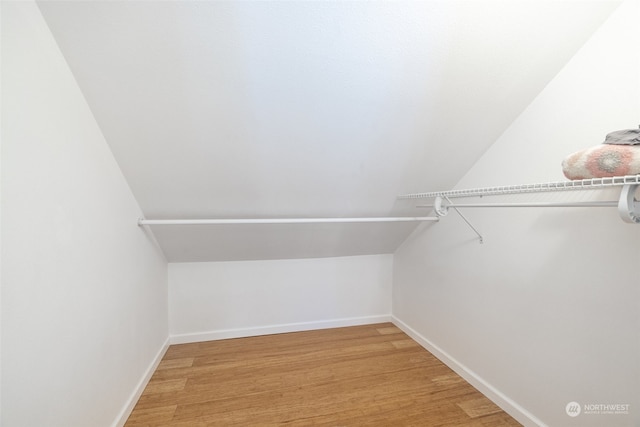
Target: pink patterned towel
[[602, 161]]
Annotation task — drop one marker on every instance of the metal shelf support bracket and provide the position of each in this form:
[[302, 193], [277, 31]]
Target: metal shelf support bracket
[[443, 210], [628, 206]]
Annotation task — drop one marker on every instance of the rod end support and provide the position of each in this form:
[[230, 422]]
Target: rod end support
[[440, 209], [628, 206]]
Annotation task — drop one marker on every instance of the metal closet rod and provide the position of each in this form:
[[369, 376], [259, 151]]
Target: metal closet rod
[[545, 187], [603, 204], [143, 221]]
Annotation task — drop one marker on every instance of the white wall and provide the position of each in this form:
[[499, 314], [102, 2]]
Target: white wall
[[84, 290], [1, 137], [240, 298], [274, 109], [547, 310]]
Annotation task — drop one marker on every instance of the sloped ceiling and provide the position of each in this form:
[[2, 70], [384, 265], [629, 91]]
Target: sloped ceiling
[[243, 109]]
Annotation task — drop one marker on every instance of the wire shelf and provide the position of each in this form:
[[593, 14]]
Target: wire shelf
[[545, 187]]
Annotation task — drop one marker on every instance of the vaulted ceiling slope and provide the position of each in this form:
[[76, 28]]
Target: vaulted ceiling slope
[[242, 109]]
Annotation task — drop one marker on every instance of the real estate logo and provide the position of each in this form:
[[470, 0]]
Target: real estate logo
[[573, 409]]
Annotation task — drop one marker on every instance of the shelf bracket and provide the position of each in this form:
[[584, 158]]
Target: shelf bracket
[[439, 208], [443, 210], [628, 206]]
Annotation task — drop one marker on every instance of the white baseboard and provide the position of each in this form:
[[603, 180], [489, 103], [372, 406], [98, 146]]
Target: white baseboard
[[121, 419], [276, 329], [509, 406]]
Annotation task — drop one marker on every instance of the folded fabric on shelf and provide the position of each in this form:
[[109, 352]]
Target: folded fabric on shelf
[[601, 161], [623, 137]]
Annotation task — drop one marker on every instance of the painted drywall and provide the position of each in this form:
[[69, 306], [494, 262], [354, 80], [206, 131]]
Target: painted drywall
[[1, 127], [547, 310], [194, 243], [84, 289], [240, 298], [232, 109]]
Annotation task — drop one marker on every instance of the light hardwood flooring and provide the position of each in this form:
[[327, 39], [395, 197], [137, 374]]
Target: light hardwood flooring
[[372, 375]]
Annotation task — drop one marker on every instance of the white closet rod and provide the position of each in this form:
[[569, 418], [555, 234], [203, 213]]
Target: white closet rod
[[545, 187], [143, 221], [604, 204]]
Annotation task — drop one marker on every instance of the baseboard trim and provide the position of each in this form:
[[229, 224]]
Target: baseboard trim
[[508, 405], [276, 329], [121, 419]]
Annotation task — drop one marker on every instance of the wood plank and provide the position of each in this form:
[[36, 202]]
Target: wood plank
[[449, 379], [152, 416], [404, 343], [389, 330], [479, 407], [163, 386], [364, 375], [175, 363]]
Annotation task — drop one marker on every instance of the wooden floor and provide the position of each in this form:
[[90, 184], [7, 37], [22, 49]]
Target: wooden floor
[[372, 375]]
